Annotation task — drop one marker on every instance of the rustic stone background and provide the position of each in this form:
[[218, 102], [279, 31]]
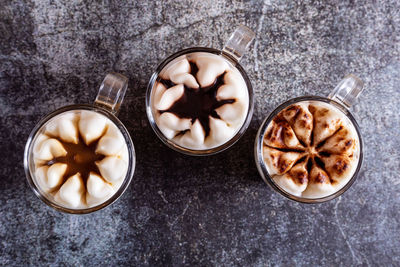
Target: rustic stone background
[[216, 210]]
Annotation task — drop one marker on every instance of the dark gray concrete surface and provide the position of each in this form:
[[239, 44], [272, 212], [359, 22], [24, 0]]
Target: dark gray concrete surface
[[215, 210]]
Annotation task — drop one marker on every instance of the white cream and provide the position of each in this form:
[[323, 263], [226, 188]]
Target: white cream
[[97, 190], [48, 148], [178, 72], [210, 67], [112, 168], [65, 127], [91, 125], [74, 192], [188, 132], [71, 193], [50, 177], [112, 142]]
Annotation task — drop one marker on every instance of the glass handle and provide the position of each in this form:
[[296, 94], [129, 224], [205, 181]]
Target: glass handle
[[348, 90], [111, 92], [238, 42]]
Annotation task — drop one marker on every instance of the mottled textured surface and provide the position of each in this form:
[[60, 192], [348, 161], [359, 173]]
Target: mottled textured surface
[[215, 210]]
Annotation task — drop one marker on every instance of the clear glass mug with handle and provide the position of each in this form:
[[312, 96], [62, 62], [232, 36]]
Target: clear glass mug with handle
[[80, 158], [310, 149], [199, 101]]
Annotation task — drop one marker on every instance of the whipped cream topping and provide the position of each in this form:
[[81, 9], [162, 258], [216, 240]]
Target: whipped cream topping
[[200, 101], [311, 149], [81, 159]]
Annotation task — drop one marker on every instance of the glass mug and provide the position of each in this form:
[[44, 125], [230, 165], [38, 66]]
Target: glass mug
[[96, 125], [326, 160], [186, 106]]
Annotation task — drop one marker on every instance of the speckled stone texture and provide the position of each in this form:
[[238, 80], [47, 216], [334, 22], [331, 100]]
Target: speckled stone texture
[[216, 210]]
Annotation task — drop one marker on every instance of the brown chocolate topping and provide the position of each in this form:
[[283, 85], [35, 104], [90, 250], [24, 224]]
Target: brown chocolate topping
[[349, 143], [193, 69], [322, 178], [341, 166], [309, 165], [301, 160], [167, 83], [198, 103], [282, 165], [300, 176], [324, 154], [286, 149], [79, 158]]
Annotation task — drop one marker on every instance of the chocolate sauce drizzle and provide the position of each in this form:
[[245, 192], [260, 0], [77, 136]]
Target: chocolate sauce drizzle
[[198, 103]]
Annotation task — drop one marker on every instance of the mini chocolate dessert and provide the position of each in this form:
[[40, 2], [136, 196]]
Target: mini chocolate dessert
[[200, 101], [311, 149], [80, 158]]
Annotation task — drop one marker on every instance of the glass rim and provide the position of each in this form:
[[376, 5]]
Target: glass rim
[[28, 158], [261, 166], [202, 152]]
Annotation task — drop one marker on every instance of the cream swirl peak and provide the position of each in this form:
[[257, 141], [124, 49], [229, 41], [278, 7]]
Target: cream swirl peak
[[311, 149], [200, 100], [81, 159]]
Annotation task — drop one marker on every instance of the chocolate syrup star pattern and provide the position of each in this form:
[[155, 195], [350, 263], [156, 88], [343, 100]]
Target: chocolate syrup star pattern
[[78, 158], [200, 100], [199, 103]]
